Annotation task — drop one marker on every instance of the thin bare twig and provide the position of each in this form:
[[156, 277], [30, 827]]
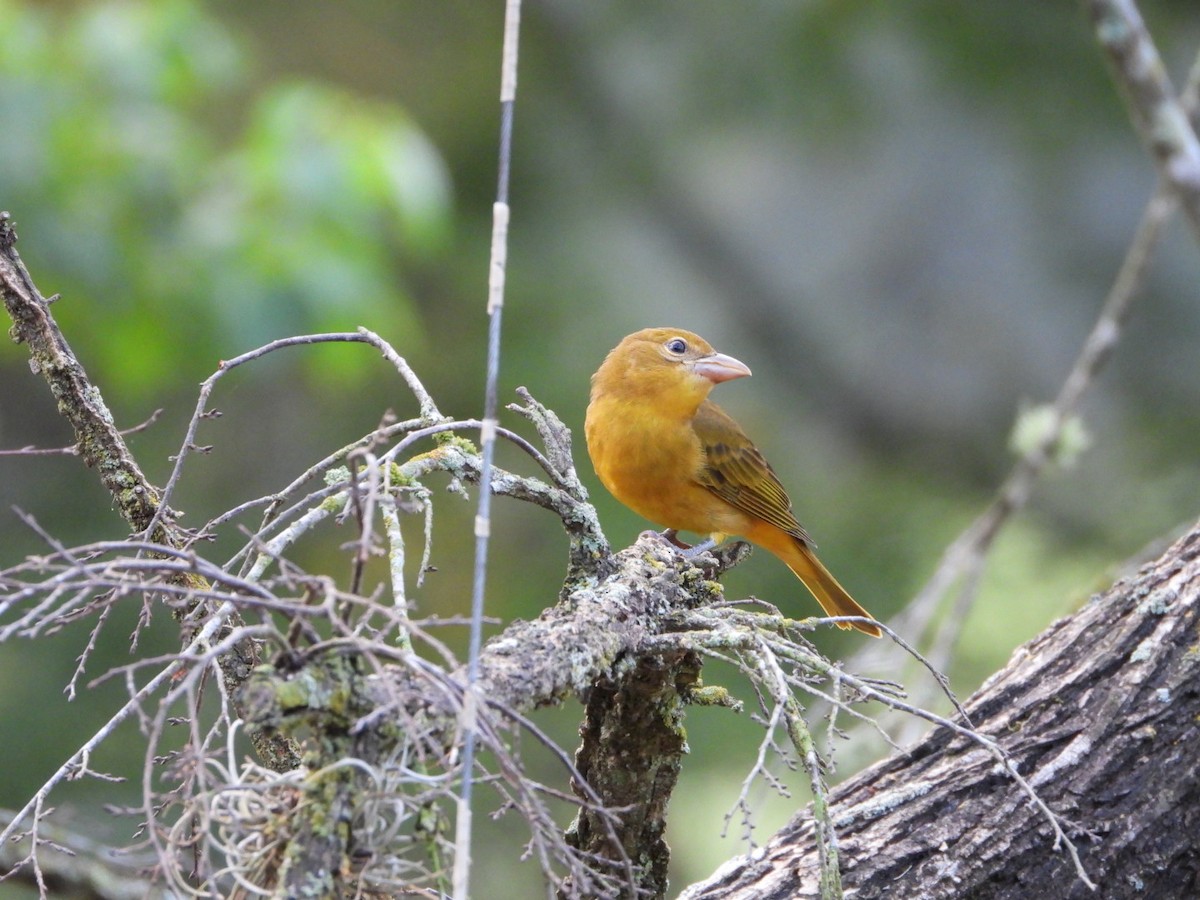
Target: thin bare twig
[[428, 409], [73, 450], [78, 760]]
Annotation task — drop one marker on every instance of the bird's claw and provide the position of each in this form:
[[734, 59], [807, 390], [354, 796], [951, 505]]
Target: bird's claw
[[699, 549], [671, 536]]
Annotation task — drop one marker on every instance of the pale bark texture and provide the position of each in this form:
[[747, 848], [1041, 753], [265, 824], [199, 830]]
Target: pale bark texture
[[1101, 713]]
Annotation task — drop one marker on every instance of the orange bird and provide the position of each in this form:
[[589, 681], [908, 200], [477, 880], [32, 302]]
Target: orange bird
[[670, 454]]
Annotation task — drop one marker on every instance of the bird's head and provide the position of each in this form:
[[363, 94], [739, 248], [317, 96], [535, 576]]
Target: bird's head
[[668, 366]]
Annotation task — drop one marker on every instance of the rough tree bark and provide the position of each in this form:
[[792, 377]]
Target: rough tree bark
[[1101, 714]]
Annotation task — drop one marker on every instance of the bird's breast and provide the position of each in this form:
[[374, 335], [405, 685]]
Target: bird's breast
[[650, 462]]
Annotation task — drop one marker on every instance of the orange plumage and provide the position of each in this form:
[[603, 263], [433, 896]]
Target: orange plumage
[[670, 454]]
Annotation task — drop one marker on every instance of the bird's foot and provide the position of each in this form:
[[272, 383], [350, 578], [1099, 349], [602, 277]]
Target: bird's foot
[[671, 536], [709, 554], [699, 549], [686, 550]]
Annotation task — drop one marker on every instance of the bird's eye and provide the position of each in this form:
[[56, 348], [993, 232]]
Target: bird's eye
[[678, 346]]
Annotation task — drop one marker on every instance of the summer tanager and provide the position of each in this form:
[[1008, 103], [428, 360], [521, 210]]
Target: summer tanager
[[670, 454]]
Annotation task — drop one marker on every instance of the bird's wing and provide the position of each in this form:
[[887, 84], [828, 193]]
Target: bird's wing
[[737, 472]]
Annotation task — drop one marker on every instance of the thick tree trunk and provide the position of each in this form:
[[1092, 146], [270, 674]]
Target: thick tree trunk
[[1101, 714]]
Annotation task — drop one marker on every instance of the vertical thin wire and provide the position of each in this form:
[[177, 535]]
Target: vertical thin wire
[[495, 304]]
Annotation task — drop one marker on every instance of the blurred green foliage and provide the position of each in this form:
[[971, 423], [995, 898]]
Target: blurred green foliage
[[185, 215]]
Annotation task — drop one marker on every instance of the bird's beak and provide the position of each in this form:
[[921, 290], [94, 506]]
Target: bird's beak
[[718, 367]]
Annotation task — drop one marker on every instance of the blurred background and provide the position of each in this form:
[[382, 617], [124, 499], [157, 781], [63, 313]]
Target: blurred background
[[903, 217]]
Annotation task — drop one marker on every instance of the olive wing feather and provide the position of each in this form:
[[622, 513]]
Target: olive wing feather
[[739, 474]]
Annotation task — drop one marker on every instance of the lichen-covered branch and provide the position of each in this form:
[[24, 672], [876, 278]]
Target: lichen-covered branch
[[98, 440], [558, 655], [587, 645]]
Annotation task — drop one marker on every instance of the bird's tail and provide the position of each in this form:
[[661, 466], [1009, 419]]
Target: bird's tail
[[819, 580]]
